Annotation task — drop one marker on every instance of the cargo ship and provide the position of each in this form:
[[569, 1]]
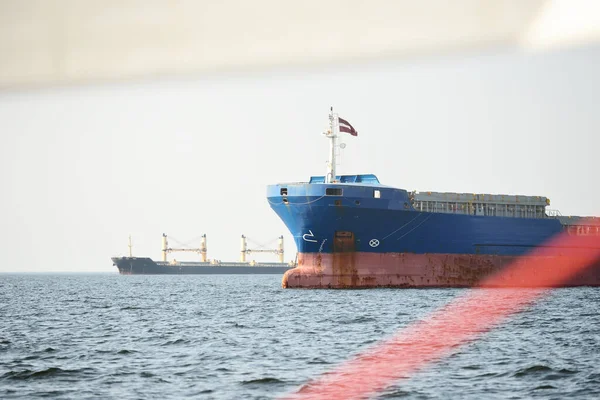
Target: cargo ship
[[130, 265], [351, 231]]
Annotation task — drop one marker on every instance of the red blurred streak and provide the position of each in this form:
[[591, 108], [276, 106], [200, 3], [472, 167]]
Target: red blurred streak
[[456, 323]]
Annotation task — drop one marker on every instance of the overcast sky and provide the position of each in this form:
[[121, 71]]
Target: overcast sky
[[83, 167]]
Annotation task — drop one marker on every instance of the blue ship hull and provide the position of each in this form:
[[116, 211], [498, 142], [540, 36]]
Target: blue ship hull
[[414, 232]]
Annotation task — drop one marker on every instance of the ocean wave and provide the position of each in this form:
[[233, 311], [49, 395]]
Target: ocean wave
[[532, 370], [263, 381], [44, 373]]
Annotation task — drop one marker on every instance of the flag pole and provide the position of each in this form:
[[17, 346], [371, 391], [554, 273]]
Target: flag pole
[[333, 129]]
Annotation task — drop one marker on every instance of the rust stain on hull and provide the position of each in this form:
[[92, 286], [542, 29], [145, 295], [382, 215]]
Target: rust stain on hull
[[350, 269], [343, 262]]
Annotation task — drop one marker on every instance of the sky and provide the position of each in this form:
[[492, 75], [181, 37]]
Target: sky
[[83, 167]]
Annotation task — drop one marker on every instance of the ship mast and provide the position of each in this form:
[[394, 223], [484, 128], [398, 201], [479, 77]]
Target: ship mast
[[332, 134]]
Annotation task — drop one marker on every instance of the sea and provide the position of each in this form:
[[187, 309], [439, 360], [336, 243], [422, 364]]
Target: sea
[[109, 336]]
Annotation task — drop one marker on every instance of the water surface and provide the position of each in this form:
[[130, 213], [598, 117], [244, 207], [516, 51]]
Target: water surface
[[243, 337]]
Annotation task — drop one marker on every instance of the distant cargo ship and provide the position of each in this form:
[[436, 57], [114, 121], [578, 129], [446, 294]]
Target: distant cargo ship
[[146, 266], [353, 232]]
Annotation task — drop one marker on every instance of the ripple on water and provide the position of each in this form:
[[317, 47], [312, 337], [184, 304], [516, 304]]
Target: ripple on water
[[318, 360], [544, 387], [175, 342], [544, 372], [263, 381], [126, 351], [47, 373], [532, 370]]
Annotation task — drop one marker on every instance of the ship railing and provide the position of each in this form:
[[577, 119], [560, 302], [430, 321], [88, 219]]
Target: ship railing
[[291, 183], [553, 213], [221, 263]]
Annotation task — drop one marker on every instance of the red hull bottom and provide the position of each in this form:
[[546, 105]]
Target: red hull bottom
[[405, 270]]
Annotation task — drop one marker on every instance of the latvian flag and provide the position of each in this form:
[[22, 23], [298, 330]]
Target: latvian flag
[[346, 127]]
